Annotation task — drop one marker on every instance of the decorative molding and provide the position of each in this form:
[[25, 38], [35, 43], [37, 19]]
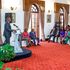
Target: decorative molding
[[57, 7], [27, 4]]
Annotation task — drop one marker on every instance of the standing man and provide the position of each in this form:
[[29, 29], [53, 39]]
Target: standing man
[[7, 30]]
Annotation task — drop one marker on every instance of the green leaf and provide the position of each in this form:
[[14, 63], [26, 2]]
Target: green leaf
[[1, 65], [6, 52], [8, 69]]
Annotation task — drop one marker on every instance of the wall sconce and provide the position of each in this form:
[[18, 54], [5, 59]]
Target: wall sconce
[[13, 8], [48, 11]]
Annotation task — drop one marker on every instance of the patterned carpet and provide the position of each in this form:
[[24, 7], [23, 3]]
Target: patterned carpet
[[47, 56]]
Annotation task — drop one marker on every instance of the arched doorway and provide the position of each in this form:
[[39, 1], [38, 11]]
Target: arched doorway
[[35, 22], [63, 18]]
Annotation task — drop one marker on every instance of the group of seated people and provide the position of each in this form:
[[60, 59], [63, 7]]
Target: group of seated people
[[56, 33], [30, 38], [63, 34]]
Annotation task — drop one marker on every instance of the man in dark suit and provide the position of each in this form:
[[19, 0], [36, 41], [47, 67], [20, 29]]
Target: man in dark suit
[[7, 30], [54, 33]]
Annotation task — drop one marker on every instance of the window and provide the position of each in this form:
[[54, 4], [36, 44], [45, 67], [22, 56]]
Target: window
[[33, 18]]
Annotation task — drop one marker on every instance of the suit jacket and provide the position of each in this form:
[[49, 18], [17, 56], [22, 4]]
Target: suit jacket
[[32, 35], [7, 30]]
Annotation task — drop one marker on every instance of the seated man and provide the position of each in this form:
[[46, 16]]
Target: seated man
[[54, 33], [67, 38], [33, 37], [25, 36], [62, 35]]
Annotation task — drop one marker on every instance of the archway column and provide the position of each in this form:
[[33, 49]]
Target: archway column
[[42, 23]]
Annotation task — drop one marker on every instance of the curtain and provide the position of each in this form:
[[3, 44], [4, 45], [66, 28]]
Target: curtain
[[65, 18], [42, 23], [26, 19]]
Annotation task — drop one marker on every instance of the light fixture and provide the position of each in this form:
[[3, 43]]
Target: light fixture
[[48, 11], [13, 8]]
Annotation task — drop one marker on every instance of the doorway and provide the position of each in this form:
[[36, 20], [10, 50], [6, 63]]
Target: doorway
[[63, 18], [34, 22]]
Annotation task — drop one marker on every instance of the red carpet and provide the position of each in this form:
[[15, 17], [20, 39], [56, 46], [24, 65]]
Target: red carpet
[[48, 56]]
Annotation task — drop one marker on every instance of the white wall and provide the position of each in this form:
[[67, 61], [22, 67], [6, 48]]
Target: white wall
[[49, 5], [17, 9], [19, 20], [16, 4]]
